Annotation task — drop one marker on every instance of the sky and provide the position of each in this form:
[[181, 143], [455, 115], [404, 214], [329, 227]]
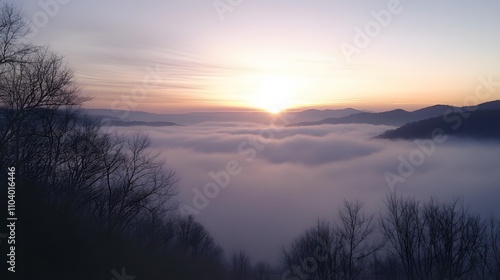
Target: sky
[[273, 55]]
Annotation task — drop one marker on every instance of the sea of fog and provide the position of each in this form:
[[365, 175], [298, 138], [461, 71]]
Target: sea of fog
[[258, 187]]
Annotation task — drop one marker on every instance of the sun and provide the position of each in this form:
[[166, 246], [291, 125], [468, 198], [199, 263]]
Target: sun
[[274, 102], [275, 94], [274, 110]]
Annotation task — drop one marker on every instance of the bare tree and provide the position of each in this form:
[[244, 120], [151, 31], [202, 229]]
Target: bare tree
[[42, 81], [195, 242], [154, 231], [261, 271], [455, 237], [13, 29], [29, 89], [314, 255], [356, 238], [135, 181], [334, 252], [433, 241], [491, 254], [31, 79], [403, 228], [240, 266], [80, 166], [386, 268]]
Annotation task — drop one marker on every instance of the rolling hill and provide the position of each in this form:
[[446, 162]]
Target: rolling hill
[[480, 124], [398, 117]]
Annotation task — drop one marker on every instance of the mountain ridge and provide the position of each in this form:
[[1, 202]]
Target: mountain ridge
[[198, 117], [479, 124], [399, 117]]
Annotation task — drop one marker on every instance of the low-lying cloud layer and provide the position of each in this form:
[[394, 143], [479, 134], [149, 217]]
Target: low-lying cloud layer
[[266, 185]]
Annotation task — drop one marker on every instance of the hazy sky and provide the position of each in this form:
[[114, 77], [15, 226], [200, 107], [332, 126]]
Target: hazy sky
[[272, 54]]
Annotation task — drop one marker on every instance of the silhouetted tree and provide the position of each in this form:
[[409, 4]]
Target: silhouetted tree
[[194, 241], [75, 152], [356, 238], [403, 228], [30, 88], [13, 29], [135, 182], [455, 236], [155, 231], [261, 271], [433, 241], [343, 251], [491, 254], [240, 266]]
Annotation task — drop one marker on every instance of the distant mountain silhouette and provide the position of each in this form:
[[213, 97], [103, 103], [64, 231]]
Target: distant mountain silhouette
[[198, 117], [314, 115], [479, 124], [397, 117], [492, 105], [139, 123]]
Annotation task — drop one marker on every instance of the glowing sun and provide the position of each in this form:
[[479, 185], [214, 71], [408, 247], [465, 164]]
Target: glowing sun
[[275, 94]]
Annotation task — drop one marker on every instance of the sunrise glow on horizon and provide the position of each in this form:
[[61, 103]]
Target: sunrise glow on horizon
[[275, 56]]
